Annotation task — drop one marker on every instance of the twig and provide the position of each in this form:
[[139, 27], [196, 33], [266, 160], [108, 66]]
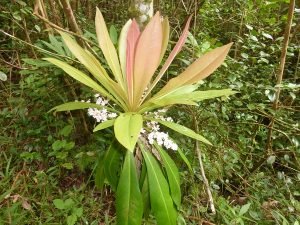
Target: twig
[[280, 72], [199, 155]]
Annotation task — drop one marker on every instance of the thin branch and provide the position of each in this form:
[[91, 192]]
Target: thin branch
[[280, 72], [199, 155]]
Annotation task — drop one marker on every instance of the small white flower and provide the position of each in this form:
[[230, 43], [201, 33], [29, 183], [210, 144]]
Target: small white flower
[[112, 115]]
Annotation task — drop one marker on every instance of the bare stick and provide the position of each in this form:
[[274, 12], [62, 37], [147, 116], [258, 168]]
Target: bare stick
[[199, 155], [280, 72]]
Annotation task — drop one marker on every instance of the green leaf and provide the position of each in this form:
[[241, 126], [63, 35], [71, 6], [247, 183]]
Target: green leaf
[[69, 203], [78, 211], [190, 98], [100, 175], [122, 47], [104, 125], [79, 76], [173, 175], [78, 105], [146, 197], [113, 34], [94, 67], [127, 128], [161, 201], [66, 130], [183, 130], [203, 95], [129, 205], [71, 220], [244, 209], [59, 203], [184, 158], [107, 47], [112, 164]]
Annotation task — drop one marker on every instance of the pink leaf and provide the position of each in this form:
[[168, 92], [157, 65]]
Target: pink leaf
[[132, 38], [174, 52], [147, 56]]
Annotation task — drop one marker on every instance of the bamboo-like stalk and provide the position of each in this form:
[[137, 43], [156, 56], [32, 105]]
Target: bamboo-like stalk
[[40, 9], [280, 71]]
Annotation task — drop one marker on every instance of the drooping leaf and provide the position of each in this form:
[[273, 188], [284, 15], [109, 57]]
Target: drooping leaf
[[112, 164], [173, 175], [173, 53], [103, 125], [108, 47], [78, 105], [200, 69], [183, 130], [147, 56], [78, 75], [127, 129], [161, 201], [129, 204], [123, 46]]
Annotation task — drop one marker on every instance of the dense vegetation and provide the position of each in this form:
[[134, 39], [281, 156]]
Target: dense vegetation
[[48, 161]]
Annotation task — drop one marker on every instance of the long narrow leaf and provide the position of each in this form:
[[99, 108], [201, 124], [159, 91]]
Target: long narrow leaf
[[147, 56], [173, 175], [78, 75], [103, 125], [184, 158], [108, 47], [200, 69], [112, 164], [166, 33], [132, 38], [172, 55], [190, 98], [129, 204], [122, 47], [95, 68], [79, 105], [183, 130], [161, 201]]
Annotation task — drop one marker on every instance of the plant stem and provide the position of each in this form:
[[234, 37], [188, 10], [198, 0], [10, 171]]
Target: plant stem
[[199, 155], [280, 72]]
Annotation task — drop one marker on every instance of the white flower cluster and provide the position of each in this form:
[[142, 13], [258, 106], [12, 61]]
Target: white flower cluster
[[155, 134], [101, 115]]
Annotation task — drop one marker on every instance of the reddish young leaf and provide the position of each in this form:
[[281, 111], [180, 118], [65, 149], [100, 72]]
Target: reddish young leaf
[[147, 56], [172, 55], [132, 38]]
